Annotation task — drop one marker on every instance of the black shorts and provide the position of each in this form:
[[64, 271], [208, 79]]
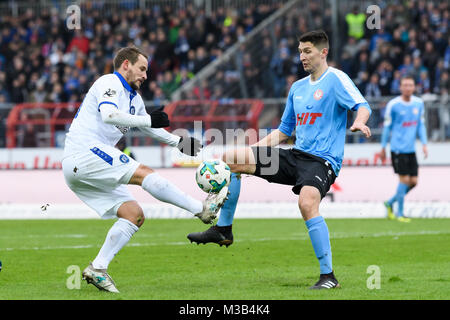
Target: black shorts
[[293, 167], [405, 164]]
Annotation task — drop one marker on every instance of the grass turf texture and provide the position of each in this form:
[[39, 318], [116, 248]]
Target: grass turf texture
[[270, 259]]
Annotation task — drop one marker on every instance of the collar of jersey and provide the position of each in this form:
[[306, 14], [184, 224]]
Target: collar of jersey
[[125, 83], [320, 78]]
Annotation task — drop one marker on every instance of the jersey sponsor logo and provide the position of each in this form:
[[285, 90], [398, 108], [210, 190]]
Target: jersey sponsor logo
[[409, 124], [109, 93], [123, 129], [311, 116], [124, 159], [318, 94]]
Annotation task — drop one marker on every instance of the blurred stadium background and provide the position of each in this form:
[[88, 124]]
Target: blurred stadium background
[[229, 64]]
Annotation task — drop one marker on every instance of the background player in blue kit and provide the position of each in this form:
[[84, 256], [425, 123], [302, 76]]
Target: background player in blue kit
[[405, 119], [316, 108]]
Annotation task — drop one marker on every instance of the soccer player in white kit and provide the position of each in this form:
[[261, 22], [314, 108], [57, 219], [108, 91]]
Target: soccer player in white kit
[[97, 172]]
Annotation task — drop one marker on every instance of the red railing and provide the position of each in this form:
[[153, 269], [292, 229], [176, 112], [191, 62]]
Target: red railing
[[46, 117]]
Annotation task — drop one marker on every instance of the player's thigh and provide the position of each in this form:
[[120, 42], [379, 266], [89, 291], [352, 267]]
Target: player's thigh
[[240, 160], [308, 202], [275, 165], [105, 201], [101, 166], [313, 172]]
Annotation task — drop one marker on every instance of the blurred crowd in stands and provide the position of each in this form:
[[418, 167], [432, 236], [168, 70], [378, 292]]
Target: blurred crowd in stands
[[41, 60], [412, 40]]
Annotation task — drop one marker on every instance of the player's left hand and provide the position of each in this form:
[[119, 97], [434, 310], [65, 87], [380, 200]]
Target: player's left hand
[[425, 151], [358, 126], [189, 146]]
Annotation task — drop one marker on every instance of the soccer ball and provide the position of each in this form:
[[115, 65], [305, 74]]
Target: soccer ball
[[213, 175]]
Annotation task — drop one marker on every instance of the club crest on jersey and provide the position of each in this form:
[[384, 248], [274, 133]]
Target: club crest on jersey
[[318, 94], [109, 93], [124, 159], [416, 111]]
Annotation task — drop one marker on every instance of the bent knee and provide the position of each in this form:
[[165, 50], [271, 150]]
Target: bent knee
[[139, 175]]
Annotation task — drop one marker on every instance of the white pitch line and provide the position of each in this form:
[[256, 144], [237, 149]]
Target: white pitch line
[[46, 236], [337, 235]]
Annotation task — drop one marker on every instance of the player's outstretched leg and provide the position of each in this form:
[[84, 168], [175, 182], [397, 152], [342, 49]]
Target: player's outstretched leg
[[165, 191], [222, 233]]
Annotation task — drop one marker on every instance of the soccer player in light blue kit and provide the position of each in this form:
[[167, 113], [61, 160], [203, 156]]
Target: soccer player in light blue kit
[[316, 108], [405, 119]]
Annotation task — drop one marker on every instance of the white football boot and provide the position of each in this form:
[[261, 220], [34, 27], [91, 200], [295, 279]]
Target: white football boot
[[212, 204], [99, 278]]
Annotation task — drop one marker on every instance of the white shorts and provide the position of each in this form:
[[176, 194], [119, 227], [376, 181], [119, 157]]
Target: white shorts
[[98, 175]]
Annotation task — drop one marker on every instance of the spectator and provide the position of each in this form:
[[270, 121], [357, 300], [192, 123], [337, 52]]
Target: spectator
[[355, 23], [168, 85], [423, 84], [395, 84], [372, 89]]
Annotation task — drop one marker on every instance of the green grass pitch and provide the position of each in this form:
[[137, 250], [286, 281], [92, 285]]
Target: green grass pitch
[[270, 259]]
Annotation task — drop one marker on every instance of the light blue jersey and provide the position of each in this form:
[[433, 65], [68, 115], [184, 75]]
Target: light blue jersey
[[318, 112], [406, 121]]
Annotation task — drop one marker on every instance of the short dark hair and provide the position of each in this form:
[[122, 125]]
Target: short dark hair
[[408, 76], [317, 37], [128, 53]]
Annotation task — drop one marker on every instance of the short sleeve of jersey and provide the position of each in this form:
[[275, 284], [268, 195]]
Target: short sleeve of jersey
[[107, 91], [287, 124], [347, 94]]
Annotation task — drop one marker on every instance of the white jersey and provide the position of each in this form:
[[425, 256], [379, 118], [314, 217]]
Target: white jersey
[[88, 127]]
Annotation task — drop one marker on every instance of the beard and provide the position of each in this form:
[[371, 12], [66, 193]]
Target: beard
[[133, 84]]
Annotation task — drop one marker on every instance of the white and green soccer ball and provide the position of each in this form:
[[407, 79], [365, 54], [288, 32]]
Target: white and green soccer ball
[[213, 175]]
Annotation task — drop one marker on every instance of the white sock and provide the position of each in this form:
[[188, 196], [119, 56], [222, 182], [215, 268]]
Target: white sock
[[165, 191], [118, 236]]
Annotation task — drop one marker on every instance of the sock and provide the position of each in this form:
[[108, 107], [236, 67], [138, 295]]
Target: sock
[[165, 191], [229, 207], [118, 236], [402, 189], [320, 239], [392, 200]]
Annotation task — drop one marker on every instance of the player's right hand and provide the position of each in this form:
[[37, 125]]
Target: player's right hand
[[160, 119]]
